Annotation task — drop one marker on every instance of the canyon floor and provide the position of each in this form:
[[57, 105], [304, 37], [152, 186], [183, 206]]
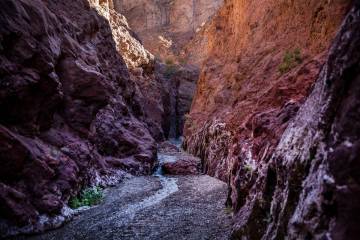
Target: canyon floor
[[154, 207]]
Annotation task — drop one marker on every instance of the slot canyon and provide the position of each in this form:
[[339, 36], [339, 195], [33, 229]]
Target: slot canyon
[[180, 119]]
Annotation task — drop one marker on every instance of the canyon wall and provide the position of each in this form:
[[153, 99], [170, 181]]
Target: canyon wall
[[173, 32], [166, 26], [289, 159], [73, 106], [263, 60], [82, 102]]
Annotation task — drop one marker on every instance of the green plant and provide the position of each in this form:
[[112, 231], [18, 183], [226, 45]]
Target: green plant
[[182, 61], [170, 70], [291, 59], [88, 197], [169, 61], [229, 210], [248, 168]]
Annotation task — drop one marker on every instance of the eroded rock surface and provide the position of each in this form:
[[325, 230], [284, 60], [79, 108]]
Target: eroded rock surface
[[288, 158], [82, 102], [167, 83], [276, 115], [184, 165], [166, 26], [174, 161], [70, 113], [243, 101]]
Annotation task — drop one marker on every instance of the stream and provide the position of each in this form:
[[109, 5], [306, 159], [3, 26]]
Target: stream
[[154, 207]]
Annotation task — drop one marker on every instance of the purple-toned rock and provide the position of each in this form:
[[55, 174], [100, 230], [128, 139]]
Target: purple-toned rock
[[184, 165], [168, 147], [70, 114]]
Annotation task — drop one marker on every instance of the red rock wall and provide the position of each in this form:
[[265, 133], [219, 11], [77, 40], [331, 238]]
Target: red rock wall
[[281, 184], [243, 102], [309, 187], [166, 26]]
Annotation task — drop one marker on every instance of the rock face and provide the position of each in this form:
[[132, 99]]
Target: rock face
[[165, 88], [250, 88], [151, 88], [182, 86], [174, 161], [184, 165], [311, 176], [243, 101], [166, 29], [165, 26], [289, 160], [70, 110]]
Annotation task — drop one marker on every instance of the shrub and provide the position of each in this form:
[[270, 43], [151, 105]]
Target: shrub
[[248, 168], [170, 70], [229, 210], [291, 59], [169, 61], [182, 61], [88, 197]]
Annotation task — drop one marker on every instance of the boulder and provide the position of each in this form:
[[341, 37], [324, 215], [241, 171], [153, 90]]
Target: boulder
[[184, 165]]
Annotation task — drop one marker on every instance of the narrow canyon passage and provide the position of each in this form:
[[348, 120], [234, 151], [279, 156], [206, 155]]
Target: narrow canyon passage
[[95, 93], [155, 207]]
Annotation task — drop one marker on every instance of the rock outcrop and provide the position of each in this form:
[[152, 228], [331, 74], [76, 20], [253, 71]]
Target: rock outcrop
[[166, 26], [310, 186], [184, 165], [151, 86], [263, 60], [71, 112], [282, 157], [181, 84], [276, 111], [243, 98], [165, 87], [174, 161]]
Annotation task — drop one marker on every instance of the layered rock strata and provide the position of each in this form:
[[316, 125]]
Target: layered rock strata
[[249, 123], [263, 60], [310, 186], [166, 26], [165, 88]]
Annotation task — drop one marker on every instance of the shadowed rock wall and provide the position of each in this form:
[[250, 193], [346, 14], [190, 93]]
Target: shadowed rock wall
[[70, 111]]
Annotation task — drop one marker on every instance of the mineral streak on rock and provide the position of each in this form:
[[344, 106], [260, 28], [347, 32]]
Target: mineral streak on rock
[[289, 157], [89, 87]]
